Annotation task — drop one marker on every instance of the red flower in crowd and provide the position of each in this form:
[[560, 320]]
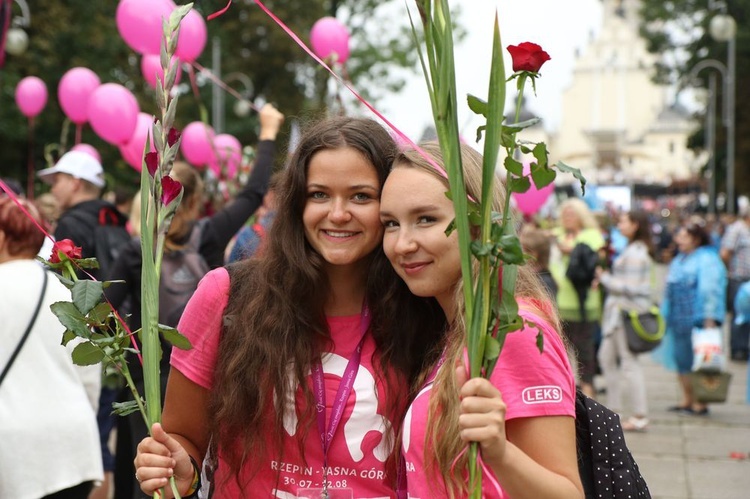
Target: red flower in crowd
[[528, 57], [173, 136], [152, 162], [66, 247], [170, 189]]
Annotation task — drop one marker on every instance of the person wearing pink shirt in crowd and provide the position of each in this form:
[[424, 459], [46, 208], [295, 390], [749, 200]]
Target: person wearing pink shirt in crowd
[[523, 417], [320, 321]]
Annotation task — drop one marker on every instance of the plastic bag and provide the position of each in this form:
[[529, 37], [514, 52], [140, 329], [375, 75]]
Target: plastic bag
[[708, 353]]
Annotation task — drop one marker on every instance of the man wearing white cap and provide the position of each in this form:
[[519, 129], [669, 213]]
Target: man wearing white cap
[[77, 181], [99, 229]]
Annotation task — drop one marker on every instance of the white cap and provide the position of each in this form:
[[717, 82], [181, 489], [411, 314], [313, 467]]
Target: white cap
[[78, 164]]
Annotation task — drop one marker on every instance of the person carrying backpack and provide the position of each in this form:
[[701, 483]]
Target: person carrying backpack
[[193, 247], [96, 226], [579, 240]]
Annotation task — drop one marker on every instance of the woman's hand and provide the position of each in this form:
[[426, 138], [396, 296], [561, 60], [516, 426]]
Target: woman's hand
[[160, 457], [482, 416]]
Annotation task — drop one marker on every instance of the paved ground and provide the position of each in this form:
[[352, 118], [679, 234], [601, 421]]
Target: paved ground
[[694, 457]]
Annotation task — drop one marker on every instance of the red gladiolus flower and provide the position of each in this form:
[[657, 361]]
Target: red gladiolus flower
[[173, 136], [528, 57], [170, 189], [68, 248], [152, 162]]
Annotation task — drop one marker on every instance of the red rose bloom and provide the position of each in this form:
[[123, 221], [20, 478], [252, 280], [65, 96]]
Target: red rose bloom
[[528, 57], [67, 247]]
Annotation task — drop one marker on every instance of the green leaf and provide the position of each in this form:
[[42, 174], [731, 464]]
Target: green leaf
[[70, 317], [491, 348], [520, 184], [517, 127], [477, 105], [174, 337], [125, 408], [512, 251], [67, 336], [540, 341], [542, 176], [86, 294], [479, 249], [451, 227], [480, 130], [99, 313], [87, 354], [88, 263], [541, 154], [513, 166], [575, 172]]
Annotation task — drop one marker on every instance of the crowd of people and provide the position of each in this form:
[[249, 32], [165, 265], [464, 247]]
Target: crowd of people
[[328, 332]]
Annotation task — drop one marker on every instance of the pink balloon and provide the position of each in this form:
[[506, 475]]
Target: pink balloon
[[328, 37], [195, 143], [531, 201], [74, 91], [113, 113], [31, 96], [151, 68], [139, 23], [88, 149], [228, 155], [132, 151], [192, 38]]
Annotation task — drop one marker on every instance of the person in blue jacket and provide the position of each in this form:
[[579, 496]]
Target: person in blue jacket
[[695, 296]]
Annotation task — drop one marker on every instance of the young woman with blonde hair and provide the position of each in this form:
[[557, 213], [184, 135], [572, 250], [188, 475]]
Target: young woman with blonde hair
[[523, 416]]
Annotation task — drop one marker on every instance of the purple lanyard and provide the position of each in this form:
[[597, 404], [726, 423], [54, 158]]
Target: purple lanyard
[[345, 388]]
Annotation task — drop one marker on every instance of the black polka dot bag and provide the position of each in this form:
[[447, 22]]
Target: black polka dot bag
[[608, 470]]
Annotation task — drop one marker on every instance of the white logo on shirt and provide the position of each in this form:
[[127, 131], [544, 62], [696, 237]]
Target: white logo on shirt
[[542, 394]]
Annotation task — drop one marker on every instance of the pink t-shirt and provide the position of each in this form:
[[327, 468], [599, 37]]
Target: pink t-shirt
[[532, 385], [358, 450]]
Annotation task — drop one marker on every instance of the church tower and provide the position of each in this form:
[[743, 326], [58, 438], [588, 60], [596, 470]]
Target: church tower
[[612, 125]]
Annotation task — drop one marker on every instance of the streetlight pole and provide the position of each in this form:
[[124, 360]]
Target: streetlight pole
[[723, 28], [711, 118]]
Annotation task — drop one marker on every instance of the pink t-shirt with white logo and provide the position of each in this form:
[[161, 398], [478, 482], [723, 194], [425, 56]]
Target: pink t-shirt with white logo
[[531, 384], [358, 450]]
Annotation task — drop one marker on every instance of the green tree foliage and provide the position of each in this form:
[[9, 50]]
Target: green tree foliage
[[678, 29], [74, 33]]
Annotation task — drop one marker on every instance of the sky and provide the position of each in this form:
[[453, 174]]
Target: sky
[[560, 26]]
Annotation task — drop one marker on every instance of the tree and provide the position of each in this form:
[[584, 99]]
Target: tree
[[679, 29], [83, 33]]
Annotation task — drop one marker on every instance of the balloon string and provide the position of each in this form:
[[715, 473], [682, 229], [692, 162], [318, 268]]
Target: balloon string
[[220, 12], [223, 85], [30, 170], [79, 129], [351, 89]]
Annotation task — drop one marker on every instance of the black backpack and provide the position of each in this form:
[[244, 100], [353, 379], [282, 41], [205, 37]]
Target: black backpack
[[181, 271], [581, 272], [109, 236], [606, 466]]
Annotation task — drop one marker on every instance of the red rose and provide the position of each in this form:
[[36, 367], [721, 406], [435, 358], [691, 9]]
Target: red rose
[[528, 57], [66, 247], [170, 189]]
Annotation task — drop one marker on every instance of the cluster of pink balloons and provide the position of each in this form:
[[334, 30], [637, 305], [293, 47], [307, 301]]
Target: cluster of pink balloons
[[140, 25], [202, 147], [330, 39]]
